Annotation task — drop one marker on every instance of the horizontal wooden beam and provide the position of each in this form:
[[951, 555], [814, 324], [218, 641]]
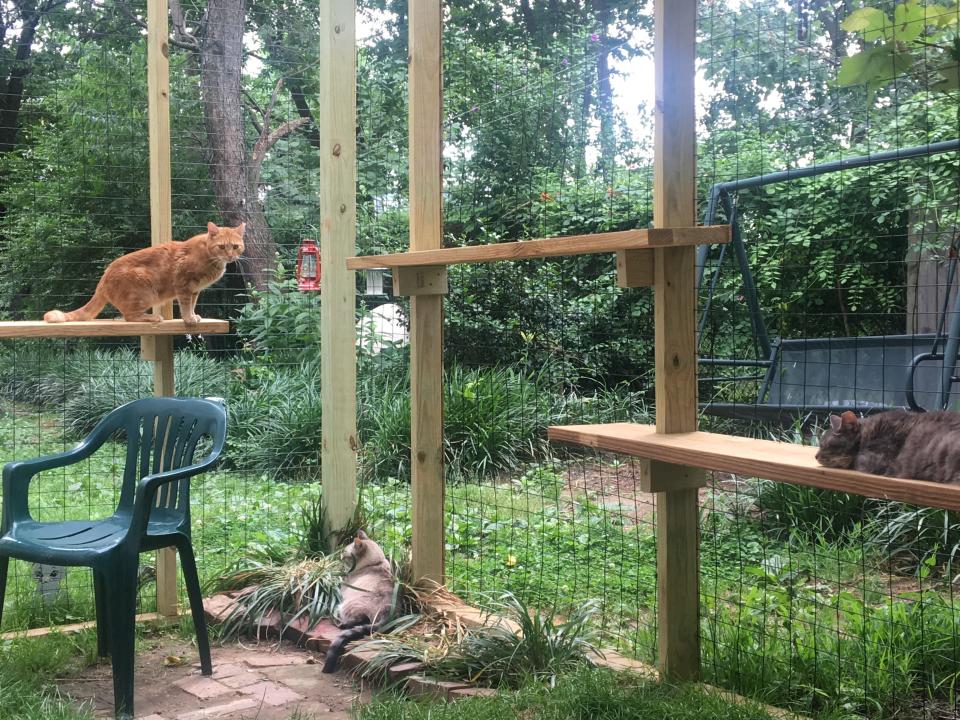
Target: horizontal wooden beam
[[784, 462], [110, 328], [143, 618], [550, 247]]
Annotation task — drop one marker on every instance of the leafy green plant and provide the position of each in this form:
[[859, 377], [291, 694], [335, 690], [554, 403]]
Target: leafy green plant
[[295, 588], [530, 646], [785, 509], [281, 324], [916, 539]]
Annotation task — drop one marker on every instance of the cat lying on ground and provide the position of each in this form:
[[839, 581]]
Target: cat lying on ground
[[366, 596], [897, 443], [138, 281]]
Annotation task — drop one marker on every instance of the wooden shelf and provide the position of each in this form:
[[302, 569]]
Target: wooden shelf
[[549, 247], [785, 462], [110, 328]]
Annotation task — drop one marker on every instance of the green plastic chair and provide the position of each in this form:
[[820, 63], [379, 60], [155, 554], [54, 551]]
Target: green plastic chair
[[161, 437]]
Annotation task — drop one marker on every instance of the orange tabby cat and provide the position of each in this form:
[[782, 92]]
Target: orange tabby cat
[[137, 281]]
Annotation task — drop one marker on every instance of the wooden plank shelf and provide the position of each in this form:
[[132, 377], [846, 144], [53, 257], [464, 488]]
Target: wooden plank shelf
[[784, 462], [549, 247], [110, 328]]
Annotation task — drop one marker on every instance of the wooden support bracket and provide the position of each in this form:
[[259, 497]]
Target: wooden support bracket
[[424, 280], [660, 476], [635, 268]]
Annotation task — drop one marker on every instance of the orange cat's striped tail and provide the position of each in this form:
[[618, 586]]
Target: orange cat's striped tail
[[87, 312]]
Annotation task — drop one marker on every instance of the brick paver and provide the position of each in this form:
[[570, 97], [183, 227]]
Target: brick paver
[[202, 688], [215, 711], [272, 693]]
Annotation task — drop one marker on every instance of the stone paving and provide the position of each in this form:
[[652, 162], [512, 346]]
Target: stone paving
[[261, 681]]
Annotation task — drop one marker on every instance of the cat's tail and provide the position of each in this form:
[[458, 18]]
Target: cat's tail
[[335, 652], [87, 312]]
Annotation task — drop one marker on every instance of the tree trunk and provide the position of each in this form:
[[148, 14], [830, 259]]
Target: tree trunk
[[608, 140], [221, 62], [12, 98], [928, 263]]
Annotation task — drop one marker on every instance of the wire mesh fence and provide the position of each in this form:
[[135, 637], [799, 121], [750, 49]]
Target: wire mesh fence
[[835, 282]]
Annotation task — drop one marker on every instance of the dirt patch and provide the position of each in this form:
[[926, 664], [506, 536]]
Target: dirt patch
[[262, 681]]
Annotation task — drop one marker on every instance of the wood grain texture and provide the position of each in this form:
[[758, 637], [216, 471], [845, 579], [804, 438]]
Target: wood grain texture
[[161, 231], [110, 328], [145, 618], [675, 360], [675, 347], [426, 316], [635, 268], [666, 477], [429, 280], [546, 247], [338, 217], [784, 462], [678, 578]]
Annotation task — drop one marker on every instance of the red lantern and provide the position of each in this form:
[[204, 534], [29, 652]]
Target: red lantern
[[308, 266]]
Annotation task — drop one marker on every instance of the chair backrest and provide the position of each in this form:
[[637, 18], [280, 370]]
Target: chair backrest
[[164, 433]]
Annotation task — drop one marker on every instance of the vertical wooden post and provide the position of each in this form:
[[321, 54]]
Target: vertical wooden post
[[426, 323], [675, 326], [338, 217], [159, 349]]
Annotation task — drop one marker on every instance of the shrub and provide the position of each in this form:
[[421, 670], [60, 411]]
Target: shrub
[[916, 538], [281, 324], [276, 422], [811, 512], [95, 383]]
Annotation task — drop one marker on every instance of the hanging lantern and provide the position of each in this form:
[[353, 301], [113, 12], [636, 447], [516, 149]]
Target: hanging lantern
[[308, 266]]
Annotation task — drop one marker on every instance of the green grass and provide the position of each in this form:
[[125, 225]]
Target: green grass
[[29, 670], [584, 695], [800, 619]]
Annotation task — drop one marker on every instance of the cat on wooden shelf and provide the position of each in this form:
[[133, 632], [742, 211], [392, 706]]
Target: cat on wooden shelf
[[897, 443], [138, 281]]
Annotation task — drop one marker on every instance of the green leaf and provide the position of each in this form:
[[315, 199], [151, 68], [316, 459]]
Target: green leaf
[[873, 23], [909, 19], [852, 69]]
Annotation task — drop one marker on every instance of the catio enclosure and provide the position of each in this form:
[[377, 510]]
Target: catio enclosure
[[807, 598]]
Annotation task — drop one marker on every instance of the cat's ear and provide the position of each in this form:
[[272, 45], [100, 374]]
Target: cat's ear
[[212, 229], [361, 535], [850, 421], [243, 227], [835, 422]]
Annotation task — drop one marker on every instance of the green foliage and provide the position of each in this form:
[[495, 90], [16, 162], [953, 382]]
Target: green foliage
[[280, 324], [581, 694], [916, 539], [30, 669], [540, 647], [529, 646], [800, 645], [786, 509], [900, 43], [295, 588]]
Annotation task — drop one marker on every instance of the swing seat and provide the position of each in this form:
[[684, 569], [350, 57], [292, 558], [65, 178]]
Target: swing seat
[[162, 436]]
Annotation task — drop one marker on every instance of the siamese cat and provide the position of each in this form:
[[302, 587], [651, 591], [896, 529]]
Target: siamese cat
[[366, 596]]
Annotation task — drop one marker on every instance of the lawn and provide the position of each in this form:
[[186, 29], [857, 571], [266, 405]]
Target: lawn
[[806, 622]]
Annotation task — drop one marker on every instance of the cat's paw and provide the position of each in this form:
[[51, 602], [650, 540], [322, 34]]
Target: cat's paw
[[192, 319]]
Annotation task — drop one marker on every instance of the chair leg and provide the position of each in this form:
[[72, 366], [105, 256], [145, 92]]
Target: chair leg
[[192, 581], [100, 595], [121, 606], [4, 565]]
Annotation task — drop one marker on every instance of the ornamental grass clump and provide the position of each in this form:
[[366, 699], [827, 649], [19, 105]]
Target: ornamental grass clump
[[297, 588], [518, 646]]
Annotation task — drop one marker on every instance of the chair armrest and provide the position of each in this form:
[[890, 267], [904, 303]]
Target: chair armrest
[[147, 488], [18, 474]]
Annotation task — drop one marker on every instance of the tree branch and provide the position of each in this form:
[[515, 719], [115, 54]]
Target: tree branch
[[268, 140]]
